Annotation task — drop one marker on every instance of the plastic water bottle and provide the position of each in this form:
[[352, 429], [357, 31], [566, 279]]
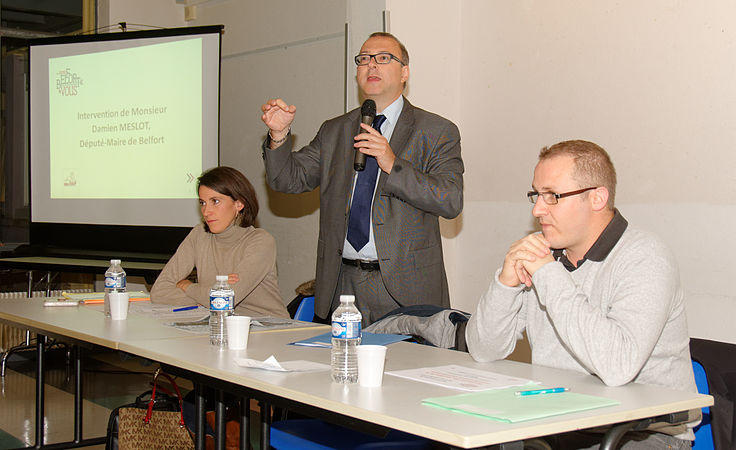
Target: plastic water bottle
[[114, 282], [345, 338], [222, 299]]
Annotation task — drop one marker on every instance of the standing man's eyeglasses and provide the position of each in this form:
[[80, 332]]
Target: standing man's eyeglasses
[[551, 198], [381, 58]]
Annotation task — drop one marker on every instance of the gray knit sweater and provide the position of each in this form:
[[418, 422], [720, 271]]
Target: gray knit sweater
[[621, 319]]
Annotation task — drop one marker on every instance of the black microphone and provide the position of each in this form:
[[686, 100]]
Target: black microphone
[[367, 114]]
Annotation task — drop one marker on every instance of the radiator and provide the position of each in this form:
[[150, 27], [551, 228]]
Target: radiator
[[11, 336]]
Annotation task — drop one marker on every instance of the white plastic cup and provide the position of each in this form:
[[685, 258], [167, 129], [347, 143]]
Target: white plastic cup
[[370, 364], [119, 302], [237, 329]]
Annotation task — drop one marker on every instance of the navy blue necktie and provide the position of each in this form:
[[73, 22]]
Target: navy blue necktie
[[359, 223]]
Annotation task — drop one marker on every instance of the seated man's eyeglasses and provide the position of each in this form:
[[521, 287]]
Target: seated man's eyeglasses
[[551, 198], [381, 58]]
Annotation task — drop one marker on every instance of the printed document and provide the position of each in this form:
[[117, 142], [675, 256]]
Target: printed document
[[464, 378]]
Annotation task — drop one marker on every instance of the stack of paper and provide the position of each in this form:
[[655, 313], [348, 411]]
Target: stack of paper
[[278, 323]]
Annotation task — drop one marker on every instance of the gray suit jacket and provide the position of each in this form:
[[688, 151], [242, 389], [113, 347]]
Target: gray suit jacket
[[426, 182]]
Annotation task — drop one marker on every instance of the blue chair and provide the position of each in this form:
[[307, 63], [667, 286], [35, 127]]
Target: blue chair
[[300, 434], [305, 311], [703, 432]]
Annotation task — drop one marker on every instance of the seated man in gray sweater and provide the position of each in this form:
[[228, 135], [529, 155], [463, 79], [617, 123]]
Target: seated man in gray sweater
[[593, 294]]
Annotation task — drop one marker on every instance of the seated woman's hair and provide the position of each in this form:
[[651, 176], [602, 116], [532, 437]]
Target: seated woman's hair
[[231, 182]]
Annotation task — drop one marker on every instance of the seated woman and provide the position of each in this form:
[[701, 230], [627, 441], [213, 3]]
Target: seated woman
[[225, 243]]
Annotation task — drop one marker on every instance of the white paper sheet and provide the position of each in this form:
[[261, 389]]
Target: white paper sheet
[[166, 314], [463, 378], [287, 366]]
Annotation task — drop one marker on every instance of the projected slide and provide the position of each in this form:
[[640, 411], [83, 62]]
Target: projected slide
[[122, 133], [121, 126]]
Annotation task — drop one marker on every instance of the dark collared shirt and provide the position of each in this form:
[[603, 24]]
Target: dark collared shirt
[[602, 246]]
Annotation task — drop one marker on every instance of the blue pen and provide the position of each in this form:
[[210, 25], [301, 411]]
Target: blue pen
[[556, 390], [185, 308]]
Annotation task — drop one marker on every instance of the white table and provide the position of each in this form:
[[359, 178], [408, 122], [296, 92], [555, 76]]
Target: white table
[[396, 404], [149, 268], [83, 327], [84, 324]]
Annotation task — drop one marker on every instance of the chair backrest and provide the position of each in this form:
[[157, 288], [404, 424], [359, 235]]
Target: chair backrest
[[703, 432], [305, 311]]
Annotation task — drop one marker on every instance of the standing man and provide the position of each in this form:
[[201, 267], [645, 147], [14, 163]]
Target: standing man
[[593, 294], [379, 235]]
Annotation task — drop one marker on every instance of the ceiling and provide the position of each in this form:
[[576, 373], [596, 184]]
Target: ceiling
[[39, 18]]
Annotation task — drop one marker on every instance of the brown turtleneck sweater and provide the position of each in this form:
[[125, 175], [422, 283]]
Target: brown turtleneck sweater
[[249, 252]]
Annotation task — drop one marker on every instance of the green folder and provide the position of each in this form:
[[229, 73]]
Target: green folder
[[505, 406]]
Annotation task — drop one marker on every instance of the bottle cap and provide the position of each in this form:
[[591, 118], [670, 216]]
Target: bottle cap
[[347, 298], [114, 261], [221, 277]]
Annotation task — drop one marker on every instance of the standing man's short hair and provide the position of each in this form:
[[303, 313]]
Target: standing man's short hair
[[404, 56], [593, 166]]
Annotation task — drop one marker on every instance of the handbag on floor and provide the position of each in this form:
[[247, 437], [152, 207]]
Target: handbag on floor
[[154, 421]]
